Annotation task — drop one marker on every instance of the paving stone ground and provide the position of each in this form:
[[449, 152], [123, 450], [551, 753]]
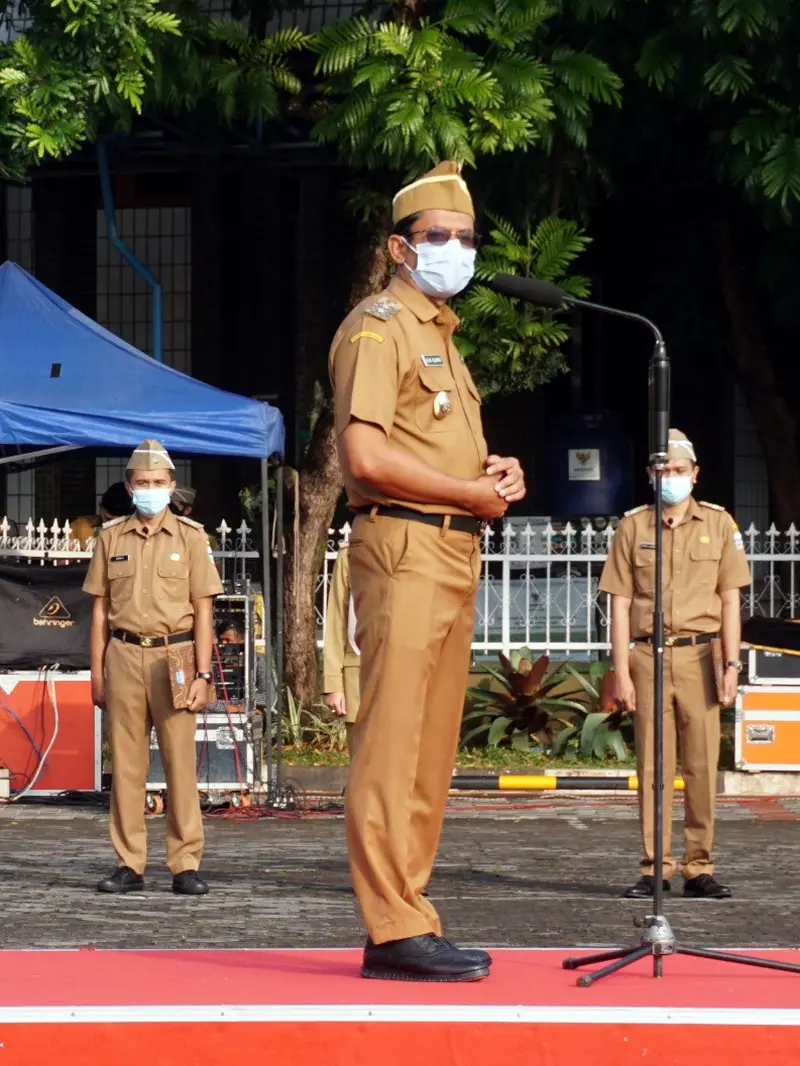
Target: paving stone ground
[[533, 872]]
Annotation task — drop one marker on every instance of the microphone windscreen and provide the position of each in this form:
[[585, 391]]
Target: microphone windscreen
[[534, 291]]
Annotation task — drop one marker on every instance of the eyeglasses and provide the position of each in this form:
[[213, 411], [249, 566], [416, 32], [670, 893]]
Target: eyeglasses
[[468, 238]]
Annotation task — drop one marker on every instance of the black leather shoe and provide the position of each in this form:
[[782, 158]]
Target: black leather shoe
[[189, 884], [482, 958], [644, 888], [421, 958], [705, 887], [123, 879]]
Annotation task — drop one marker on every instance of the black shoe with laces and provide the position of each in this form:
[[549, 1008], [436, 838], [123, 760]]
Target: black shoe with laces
[[189, 883], [705, 887], [421, 958], [644, 888], [122, 880]]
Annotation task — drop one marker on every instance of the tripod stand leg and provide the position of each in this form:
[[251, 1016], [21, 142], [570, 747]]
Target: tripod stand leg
[[627, 959], [742, 960], [590, 960]]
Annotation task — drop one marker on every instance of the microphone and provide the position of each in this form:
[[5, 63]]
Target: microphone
[[546, 294], [534, 291]]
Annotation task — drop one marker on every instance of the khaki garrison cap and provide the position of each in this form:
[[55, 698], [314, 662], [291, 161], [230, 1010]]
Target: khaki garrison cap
[[183, 496], [680, 447], [150, 455], [442, 188]]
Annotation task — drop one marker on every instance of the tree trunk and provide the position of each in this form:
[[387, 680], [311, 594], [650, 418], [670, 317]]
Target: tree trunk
[[755, 371], [320, 485]]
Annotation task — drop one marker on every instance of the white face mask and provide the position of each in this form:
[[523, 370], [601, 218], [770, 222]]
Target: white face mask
[[443, 270]]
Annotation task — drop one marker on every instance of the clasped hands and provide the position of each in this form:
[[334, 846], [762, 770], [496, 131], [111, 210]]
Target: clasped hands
[[502, 483]]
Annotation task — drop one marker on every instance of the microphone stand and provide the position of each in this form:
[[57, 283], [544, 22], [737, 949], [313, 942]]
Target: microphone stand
[[657, 938]]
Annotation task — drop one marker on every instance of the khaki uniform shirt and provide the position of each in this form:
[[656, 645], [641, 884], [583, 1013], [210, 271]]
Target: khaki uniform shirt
[[703, 557], [339, 649], [151, 577], [85, 528], [390, 360]]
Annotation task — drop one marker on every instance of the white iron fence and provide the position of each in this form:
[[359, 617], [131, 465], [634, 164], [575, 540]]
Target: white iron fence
[[233, 549], [539, 586]]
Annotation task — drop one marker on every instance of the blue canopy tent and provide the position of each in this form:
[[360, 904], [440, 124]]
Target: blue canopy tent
[[66, 383]]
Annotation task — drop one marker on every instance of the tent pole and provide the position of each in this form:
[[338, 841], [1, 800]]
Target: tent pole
[[266, 589], [279, 614], [116, 241]]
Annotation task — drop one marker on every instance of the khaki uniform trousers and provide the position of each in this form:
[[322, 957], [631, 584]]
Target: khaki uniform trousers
[[414, 589], [352, 698], [138, 697], [690, 702]]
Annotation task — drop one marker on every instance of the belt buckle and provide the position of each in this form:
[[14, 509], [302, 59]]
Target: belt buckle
[[670, 642], [482, 528], [146, 642]]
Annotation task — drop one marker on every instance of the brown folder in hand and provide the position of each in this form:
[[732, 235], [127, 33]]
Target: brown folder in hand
[[719, 667], [182, 671]]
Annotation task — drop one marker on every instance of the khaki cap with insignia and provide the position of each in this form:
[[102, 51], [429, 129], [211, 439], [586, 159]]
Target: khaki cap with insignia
[[680, 447], [442, 188], [150, 455], [183, 496]]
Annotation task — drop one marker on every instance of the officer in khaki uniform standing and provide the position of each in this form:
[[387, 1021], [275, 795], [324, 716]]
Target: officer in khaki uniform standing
[[704, 569], [341, 659], [153, 581], [417, 474]]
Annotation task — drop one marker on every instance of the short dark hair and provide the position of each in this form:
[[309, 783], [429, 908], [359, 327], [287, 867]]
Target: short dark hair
[[230, 623], [403, 227], [116, 500]]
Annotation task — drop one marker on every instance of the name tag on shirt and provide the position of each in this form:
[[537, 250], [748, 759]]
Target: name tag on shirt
[[651, 547], [119, 558], [432, 360]]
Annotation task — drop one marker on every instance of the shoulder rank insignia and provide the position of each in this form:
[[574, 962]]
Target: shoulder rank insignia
[[383, 308], [713, 506], [636, 510], [191, 522], [115, 521]]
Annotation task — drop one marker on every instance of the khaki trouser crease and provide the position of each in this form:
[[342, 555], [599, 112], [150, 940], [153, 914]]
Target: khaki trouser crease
[[139, 698], [414, 591], [691, 711]]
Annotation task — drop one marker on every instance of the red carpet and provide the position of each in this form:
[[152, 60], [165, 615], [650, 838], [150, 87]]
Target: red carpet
[[154, 1008]]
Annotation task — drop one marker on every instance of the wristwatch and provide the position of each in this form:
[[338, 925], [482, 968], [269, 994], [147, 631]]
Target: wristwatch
[[204, 677], [736, 664]]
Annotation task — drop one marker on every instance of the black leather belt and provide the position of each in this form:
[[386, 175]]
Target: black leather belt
[[150, 642], [459, 522], [679, 642]]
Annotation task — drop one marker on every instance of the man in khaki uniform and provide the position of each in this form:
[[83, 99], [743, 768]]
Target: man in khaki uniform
[[704, 569], [153, 583], [114, 503], [341, 659], [416, 470]]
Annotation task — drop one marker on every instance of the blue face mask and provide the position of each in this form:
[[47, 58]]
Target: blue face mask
[[676, 488], [151, 502], [443, 270]]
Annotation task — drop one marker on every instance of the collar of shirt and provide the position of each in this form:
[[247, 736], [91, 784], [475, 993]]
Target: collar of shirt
[[168, 523], [694, 510], [420, 306]]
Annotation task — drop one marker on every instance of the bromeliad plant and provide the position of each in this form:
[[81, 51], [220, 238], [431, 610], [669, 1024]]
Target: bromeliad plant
[[544, 708]]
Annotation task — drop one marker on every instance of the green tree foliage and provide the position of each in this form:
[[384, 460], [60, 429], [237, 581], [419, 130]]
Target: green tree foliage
[[510, 344], [72, 61], [735, 63]]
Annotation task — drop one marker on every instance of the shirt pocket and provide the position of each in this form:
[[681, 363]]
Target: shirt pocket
[[432, 381], [173, 580], [705, 560], [120, 580], [644, 571]]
